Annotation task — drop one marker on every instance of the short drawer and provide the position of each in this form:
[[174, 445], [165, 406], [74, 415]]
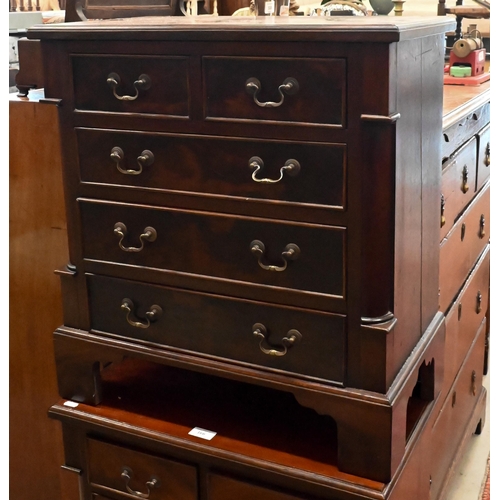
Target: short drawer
[[458, 184], [456, 411], [483, 157], [165, 91], [284, 339], [227, 488], [287, 255], [462, 247], [456, 134], [465, 317], [286, 90], [250, 170], [116, 469]]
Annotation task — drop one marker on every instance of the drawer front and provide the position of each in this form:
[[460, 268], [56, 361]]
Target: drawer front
[[305, 257], [461, 248], [465, 317], [483, 157], [456, 412], [458, 184], [250, 170], [116, 469], [455, 135], [223, 327], [299, 91], [226, 488], [165, 94]]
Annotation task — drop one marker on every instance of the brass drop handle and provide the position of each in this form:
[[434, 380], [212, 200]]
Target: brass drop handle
[[482, 224], [152, 315], [465, 179], [479, 299], [293, 337], [473, 382], [291, 252], [290, 86], [443, 219], [126, 475], [291, 167], [145, 159], [142, 83], [149, 234], [487, 155]]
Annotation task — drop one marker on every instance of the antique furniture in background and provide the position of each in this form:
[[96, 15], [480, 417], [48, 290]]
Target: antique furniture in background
[[37, 245]]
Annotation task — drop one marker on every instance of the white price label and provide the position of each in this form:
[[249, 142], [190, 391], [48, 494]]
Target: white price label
[[71, 404], [269, 7], [202, 433]]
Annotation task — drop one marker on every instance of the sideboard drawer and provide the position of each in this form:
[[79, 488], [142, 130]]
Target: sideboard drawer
[[483, 157], [455, 135], [457, 410], [250, 170], [465, 316], [260, 89], [165, 93], [227, 488], [116, 469], [296, 256], [458, 184], [221, 326], [460, 250]]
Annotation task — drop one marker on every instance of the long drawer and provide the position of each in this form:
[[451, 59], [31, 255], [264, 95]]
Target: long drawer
[[306, 343], [465, 316], [251, 170], [280, 254], [460, 250], [456, 411], [227, 488], [117, 470]]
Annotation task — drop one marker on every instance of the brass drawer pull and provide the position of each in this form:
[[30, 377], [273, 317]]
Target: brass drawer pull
[[473, 379], [149, 234], [291, 252], [443, 219], [293, 337], [291, 167], [479, 299], [487, 155], [142, 83], [482, 224], [462, 231], [152, 315], [146, 159], [126, 475], [465, 179], [289, 86]]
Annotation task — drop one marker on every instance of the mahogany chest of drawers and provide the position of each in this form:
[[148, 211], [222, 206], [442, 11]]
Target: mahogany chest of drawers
[[244, 201]]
